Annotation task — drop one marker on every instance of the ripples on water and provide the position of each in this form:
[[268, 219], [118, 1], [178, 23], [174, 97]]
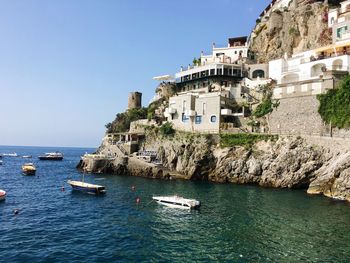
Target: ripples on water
[[234, 224]]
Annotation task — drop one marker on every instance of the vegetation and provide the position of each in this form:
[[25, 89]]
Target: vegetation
[[167, 129], [267, 104], [123, 120], [244, 139], [293, 31], [196, 61], [335, 105], [151, 110], [264, 108]]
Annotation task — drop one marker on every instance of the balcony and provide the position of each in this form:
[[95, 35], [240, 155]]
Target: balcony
[[226, 112], [190, 113]]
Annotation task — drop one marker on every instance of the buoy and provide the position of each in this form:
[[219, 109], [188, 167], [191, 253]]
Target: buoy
[[16, 211], [133, 188], [62, 189], [138, 200]]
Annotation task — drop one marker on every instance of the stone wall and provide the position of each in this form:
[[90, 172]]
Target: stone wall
[[297, 116]]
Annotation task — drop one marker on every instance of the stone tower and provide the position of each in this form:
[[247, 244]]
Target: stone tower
[[134, 101]]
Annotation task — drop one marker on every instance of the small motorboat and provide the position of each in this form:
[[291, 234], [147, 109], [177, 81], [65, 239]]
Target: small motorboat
[[177, 202], [26, 156], [55, 156], [2, 195], [10, 154], [0, 162], [87, 188], [28, 169]]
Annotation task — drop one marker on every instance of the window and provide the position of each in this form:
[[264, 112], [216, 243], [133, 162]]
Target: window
[[198, 120], [204, 108], [184, 118], [213, 118], [258, 73], [183, 105]]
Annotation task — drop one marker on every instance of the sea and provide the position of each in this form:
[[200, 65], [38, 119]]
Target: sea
[[236, 223]]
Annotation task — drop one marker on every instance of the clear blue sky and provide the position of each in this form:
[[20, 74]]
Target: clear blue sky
[[67, 66]]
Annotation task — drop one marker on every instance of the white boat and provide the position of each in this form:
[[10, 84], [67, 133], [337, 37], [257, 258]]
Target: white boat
[[26, 156], [10, 154], [2, 195], [0, 162], [87, 188], [177, 202], [55, 156]]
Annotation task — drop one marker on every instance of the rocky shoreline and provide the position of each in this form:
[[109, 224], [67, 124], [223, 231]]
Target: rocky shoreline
[[289, 162]]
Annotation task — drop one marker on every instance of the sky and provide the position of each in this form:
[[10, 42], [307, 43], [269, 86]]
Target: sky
[[67, 66]]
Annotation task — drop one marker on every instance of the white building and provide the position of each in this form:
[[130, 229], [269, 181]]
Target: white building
[[222, 68], [339, 21], [311, 72], [205, 112]]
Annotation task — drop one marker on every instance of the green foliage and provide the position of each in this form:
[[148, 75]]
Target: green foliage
[[167, 129], [123, 120], [293, 31], [263, 108], [244, 139], [335, 105], [196, 61], [267, 105], [258, 21]]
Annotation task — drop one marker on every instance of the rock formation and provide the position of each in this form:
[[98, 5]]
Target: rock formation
[[301, 26], [289, 162]]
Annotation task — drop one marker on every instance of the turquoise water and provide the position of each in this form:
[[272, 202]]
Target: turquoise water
[[234, 224]]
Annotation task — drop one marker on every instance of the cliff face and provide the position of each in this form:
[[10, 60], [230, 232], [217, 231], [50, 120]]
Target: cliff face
[[289, 162], [301, 26]]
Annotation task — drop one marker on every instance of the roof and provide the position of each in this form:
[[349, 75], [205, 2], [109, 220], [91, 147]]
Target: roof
[[163, 77], [233, 40]]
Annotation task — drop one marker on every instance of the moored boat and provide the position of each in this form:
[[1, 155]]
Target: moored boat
[[0, 162], [87, 188], [177, 202], [10, 154], [26, 156], [54, 156], [2, 195], [28, 169]]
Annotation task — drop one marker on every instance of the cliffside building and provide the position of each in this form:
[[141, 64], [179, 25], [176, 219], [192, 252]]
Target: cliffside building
[[339, 21], [209, 93], [222, 68]]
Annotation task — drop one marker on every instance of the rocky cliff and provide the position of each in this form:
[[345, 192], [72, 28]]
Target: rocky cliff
[[301, 26], [289, 162]]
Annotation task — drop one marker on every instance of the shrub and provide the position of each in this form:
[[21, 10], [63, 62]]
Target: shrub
[[167, 129], [244, 139], [335, 105]]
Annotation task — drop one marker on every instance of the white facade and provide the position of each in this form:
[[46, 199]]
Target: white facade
[[224, 61], [310, 72], [339, 21], [203, 112]]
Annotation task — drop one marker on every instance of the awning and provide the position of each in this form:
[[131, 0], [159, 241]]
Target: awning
[[333, 47], [164, 78]]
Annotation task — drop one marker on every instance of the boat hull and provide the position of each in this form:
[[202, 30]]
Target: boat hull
[[177, 202], [29, 172], [2, 195], [45, 158], [87, 188]]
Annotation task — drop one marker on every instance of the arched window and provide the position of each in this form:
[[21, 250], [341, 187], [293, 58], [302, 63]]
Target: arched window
[[258, 73], [318, 70]]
